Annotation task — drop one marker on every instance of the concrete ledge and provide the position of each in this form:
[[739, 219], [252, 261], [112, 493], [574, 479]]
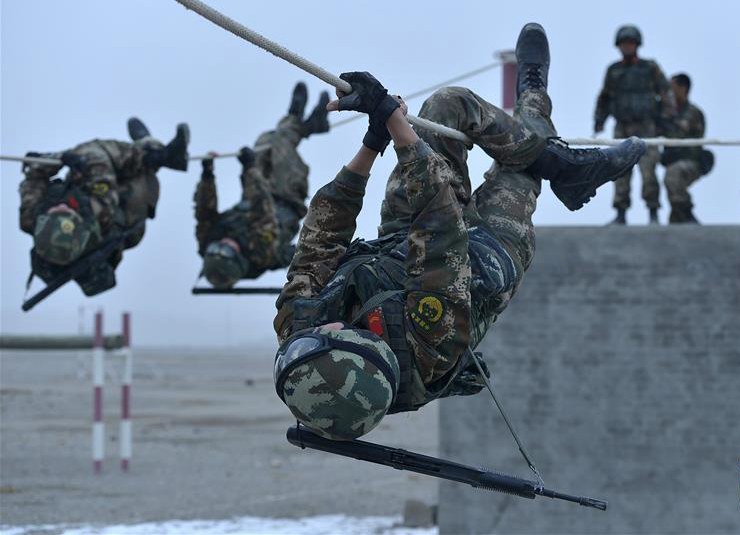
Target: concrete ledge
[[619, 364]]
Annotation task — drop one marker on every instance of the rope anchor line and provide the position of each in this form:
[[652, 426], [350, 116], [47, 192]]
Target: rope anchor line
[[229, 24], [583, 141]]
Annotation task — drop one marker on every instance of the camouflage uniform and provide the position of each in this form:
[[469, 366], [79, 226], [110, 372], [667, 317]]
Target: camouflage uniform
[[463, 254], [113, 179], [638, 96], [684, 164], [267, 218]]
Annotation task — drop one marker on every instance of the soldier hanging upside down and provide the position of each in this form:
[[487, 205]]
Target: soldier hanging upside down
[[375, 327], [255, 235], [110, 190]]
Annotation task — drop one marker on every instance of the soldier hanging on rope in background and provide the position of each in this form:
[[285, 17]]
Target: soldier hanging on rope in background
[[255, 235], [637, 94], [107, 195], [684, 165], [383, 326]]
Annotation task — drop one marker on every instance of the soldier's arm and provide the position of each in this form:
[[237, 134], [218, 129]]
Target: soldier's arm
[[603, 101], [437, 264], [325, 235], [33, 189], [206, 205], [663, 90], [693, 125]]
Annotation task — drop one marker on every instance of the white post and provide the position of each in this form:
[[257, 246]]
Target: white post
[[98, 427], [128, 369]]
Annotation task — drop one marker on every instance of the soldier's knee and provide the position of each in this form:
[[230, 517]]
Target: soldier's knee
[[672, 180], [443, 101]]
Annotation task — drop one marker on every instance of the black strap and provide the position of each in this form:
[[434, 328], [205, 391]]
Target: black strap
[[374, 302]]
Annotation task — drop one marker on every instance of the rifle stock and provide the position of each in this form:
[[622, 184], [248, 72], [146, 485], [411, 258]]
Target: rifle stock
[[432, 466]]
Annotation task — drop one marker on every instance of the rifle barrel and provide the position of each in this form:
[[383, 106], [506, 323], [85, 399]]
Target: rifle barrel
[[431, 466]]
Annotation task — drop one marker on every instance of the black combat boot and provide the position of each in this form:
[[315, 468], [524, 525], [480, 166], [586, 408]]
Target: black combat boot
[[136, 129], [621, 218], [681, 213], [533, 59], [575, 174], [317, 122], [175, 154], [654, 217], [298, 101]]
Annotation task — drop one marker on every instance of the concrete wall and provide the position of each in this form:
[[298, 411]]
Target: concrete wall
[[619, 364]]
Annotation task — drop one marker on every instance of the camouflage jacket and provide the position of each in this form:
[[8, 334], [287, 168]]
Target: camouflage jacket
[[688, 123], [436, 286], [261, 225], [123, 189], [634, 92]]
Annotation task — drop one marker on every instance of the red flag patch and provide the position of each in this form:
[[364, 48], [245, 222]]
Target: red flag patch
[[375, 321]]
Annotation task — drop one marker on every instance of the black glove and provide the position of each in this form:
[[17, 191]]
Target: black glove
[[246, 157], [369, 96], [74, 161], [207, 164]]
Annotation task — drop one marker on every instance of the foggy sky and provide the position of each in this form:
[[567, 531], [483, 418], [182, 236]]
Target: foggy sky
[[76, 70]]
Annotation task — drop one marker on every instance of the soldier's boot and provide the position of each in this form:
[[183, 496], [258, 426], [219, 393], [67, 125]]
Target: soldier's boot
[[318, 121], [136, 129], [681, 213], [533, 59], [298, 100], [654, 217], [621, 218], [176, 151], [576, 174]]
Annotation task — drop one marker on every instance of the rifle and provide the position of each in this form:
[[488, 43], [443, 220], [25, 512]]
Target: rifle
[[432, 466], [81, 265]]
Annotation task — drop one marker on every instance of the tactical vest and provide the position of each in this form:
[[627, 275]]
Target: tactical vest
[[377, 268], [635, 95]]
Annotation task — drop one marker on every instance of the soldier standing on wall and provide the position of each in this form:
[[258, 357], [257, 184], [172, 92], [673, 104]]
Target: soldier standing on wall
[[637, 94]]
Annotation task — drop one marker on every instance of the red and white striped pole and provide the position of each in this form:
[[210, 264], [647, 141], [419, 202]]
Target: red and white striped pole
[[508, 88], [128, 365], [98, 427]]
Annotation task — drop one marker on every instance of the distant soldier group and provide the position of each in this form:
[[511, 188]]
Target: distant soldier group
[[643, 103]]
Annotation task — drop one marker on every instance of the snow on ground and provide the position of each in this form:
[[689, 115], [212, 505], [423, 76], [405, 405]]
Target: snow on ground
[[249, 525]]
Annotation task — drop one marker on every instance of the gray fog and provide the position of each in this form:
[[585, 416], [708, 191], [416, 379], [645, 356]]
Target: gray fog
[[76, 70]]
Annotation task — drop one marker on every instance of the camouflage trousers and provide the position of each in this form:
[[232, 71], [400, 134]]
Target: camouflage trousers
[[678, 177], [647, 164], [505, 202], [284, 169]]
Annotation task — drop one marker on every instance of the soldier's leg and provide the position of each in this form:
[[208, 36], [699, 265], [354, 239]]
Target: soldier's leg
[[622, 185], [280, 163], [514, 141], [650, 187], [622, 191], [678, 177], [505, 203]]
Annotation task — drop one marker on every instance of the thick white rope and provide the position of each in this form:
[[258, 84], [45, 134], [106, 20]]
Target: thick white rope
[[263, 42], [429, 89], [654, 141], [581, 141]]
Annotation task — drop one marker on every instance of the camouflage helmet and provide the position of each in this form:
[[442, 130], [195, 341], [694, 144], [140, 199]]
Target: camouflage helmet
[[338, 383], [61, 237], [628, 32], [223, 265]]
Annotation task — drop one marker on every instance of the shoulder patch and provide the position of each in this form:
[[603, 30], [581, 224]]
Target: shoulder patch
[[429, 311]]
